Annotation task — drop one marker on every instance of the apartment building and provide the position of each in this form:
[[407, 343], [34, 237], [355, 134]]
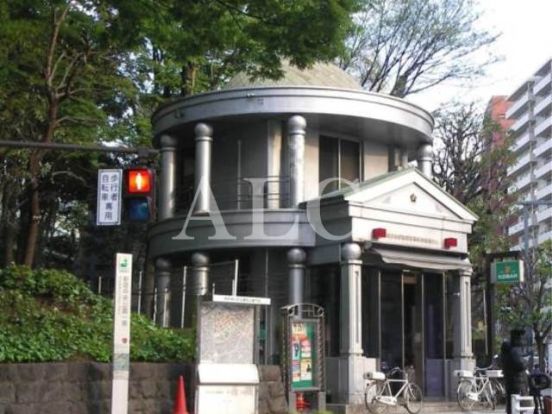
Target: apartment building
[[531, 116]]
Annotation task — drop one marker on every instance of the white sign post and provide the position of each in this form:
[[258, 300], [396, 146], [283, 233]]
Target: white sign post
[[108, 211], [121, 333]]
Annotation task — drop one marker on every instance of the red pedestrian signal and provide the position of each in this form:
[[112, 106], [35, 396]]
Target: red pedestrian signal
[[139, 194], [139, 181]]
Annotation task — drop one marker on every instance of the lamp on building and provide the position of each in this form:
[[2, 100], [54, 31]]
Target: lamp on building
[[379, 233], [451, 242]]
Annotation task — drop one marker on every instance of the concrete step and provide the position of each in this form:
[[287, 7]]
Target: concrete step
[[429, 407]]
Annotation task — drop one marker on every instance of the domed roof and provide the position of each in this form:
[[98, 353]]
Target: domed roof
[[320, 74]]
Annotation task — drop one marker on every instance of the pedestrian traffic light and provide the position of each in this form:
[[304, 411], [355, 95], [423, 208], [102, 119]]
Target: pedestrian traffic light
[[139, 193]]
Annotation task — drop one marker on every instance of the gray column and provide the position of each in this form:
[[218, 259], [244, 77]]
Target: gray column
[[203, 142], [465, 337], [462, 349], [163, 269], [425, 160], [351, 305], [296, 264], [200, 274], [351, 325], [167, 194], [296, 146]]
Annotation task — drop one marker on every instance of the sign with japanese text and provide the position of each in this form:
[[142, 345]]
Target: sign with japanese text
[[507, 271], [303, 354], [108, 211], [121, 332]]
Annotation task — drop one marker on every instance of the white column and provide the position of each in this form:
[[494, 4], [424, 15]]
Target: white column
[[167, 194], [203, 142], [296, 146], [462, 349], [351, 323], [465, 337]]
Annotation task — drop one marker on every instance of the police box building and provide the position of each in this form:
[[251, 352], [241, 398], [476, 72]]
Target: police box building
[[322, 193]]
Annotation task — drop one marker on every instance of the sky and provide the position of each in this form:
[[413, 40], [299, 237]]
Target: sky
[[525, 45]]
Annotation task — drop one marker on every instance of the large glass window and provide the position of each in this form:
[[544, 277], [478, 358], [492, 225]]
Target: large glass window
[[339, 160]]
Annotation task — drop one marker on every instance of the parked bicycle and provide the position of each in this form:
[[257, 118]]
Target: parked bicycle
[[477, 389], [379, 395]]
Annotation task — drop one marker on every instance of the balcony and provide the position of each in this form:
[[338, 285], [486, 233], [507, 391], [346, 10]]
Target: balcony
[[518, 107], [516, 228], [545, 236], [543, 105], [521, 244], [544, 192], [544, 215], [523, 181], [544, 170], [520, 123], [521, 164], [544, 85], [543, 148], [543, 127], [521, 143]]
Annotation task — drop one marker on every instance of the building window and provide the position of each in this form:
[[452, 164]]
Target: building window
[[339, 160]]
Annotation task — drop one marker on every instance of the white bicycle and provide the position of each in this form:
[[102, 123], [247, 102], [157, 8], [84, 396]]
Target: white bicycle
[[477, 388], [379, 396]]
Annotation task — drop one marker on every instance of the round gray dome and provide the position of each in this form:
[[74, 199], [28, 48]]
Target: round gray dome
[[320, 74]]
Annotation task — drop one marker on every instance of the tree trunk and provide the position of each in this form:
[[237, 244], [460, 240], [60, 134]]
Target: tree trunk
[[539, 341], [34, 212], [9, 220]]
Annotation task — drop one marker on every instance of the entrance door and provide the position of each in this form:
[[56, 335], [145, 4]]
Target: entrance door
[[402, 331]]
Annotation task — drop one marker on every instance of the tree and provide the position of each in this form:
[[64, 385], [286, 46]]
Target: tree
[[86, 71], [402, 47], [529, 304], [468, 165], [60, 71], [195, 46]]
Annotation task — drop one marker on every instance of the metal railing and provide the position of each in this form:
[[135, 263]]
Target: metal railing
[[271, 192]]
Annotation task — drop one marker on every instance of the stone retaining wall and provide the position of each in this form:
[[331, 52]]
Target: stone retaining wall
[[272, 397], [85, 388]]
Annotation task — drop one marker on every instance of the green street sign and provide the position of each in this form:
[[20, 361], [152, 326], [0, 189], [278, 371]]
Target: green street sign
[[507, 271]]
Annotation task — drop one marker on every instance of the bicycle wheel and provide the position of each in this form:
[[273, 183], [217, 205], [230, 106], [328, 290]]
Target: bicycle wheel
[[413, 398], [490, 396], [465, 394], [500, 391], [372, 404]]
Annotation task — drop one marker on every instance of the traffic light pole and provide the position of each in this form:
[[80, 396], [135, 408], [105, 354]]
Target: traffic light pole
[[76, 147]]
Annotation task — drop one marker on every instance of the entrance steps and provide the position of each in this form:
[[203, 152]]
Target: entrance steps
[[429, 407]]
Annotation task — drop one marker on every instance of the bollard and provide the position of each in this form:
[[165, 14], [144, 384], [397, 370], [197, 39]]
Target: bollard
[[517, 408]]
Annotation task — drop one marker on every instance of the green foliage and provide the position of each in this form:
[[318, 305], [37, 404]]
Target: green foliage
[[50, 315], [529, 304]]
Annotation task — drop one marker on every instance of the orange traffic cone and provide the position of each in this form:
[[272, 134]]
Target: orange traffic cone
[[300, 403], [180, 400]]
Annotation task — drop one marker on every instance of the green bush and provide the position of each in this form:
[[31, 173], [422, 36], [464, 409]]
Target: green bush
[[50, 315]]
